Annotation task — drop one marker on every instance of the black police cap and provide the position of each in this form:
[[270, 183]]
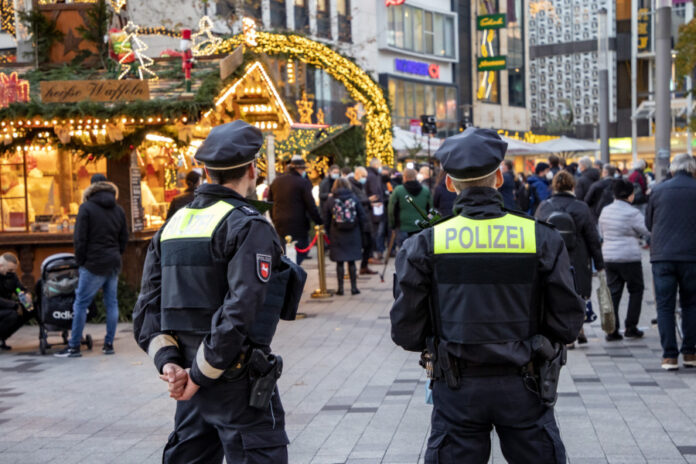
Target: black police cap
[[230, 146], [472, 154]]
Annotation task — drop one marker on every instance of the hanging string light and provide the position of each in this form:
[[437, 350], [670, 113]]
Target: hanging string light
[[204, 42]]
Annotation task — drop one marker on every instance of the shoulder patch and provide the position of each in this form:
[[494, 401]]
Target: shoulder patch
[[263, 267]]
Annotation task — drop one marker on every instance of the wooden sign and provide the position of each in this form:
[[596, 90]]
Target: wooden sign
[[97, 91], [229, 64]]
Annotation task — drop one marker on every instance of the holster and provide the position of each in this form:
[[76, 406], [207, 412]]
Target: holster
[[264, 370], [447, 367], [551, 357]]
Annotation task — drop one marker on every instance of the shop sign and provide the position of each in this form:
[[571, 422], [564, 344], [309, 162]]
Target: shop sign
[[394, 2], [492, 63], [418, 68], [96, 91], [137, 219], [491, 21], [643, 30]]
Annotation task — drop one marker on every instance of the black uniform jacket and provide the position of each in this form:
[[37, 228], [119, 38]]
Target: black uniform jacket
[[240, 238], [410, 314]]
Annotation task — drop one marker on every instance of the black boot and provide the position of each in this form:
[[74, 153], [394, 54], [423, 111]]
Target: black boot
[[353, 279], [339, 276]]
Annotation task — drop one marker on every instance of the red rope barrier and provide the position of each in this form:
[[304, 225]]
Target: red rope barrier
[[306, 250], [326, 240]]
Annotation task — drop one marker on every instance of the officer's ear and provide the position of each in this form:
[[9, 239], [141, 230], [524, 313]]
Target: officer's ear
[[449, 184], [499, 178]]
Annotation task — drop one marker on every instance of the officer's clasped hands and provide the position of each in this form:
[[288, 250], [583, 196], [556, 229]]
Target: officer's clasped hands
[[181, 387]]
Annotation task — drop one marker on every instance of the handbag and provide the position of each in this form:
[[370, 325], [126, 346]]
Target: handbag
[[606, 306]]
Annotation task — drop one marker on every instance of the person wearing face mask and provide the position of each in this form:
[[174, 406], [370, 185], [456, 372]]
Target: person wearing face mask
[[12, 315], [293, 205], [326, 185], [358, 184], [402, 215]]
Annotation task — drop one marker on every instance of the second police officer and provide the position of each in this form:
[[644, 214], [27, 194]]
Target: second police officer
[[488, 296], [204, 315]]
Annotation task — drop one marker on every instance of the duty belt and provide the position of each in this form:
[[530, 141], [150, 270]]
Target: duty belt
[[492, 370]]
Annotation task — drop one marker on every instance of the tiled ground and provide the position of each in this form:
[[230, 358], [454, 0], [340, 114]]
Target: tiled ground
[[351, 396]]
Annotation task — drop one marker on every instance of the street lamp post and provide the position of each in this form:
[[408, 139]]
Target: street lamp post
[[663, 75], [603, 63]]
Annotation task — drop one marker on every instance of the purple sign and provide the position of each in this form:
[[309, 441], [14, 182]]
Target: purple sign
[[412, 67]]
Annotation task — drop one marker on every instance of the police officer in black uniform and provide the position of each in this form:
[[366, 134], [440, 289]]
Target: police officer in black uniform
[[201, 313], [481, 292]]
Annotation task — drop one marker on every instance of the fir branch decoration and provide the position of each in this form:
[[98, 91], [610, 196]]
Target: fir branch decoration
[[44, 34]]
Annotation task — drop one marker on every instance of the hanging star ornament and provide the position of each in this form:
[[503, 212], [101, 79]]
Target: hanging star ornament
[[207, 45], [305, 108], [137, 53]]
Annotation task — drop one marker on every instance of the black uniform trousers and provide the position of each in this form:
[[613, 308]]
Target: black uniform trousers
[[218, 421], [631, 275], [462, 421]]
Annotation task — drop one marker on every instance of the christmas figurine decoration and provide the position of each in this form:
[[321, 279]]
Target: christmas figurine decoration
[[209, 44], [186, 57], [136, 54], [305, 108], [13, 90], [249, 31]]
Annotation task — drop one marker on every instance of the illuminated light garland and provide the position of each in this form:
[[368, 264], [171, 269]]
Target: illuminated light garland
[[138, 47], [161, 30], [7, 16], [360, 86], [209, 44]]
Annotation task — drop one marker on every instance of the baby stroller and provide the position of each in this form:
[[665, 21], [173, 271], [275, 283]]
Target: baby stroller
[[56, 293]]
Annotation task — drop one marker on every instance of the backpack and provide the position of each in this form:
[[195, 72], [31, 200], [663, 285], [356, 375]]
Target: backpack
[[344, 213], [565, 224]]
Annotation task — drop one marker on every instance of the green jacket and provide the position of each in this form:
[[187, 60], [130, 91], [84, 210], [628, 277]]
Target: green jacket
[[402, 215]]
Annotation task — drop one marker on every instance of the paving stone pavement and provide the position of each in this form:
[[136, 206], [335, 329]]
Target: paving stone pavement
[[350, 395]]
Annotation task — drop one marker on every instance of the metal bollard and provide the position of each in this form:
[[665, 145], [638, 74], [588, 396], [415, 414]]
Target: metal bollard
[[321, 292]]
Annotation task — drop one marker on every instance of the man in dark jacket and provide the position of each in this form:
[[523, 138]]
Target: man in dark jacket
[[539, 189], [101, 236], [671, 217], [12, 314], [601, 193], [192, 181], [293, 205], [507, 190], [375, 190], [588, 176]]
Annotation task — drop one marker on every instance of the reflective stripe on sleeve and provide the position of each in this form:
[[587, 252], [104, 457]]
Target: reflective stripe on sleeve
[[204, 366], [159, 342]]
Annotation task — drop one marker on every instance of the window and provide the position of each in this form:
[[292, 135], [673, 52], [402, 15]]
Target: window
[[41, 189], [344, 23], [323, 19], [278, 14], [301, 16], [420, 31], [412, 99], [428, 32]]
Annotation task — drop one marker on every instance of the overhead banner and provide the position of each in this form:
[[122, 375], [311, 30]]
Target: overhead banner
[[491, 21], [492, 63]]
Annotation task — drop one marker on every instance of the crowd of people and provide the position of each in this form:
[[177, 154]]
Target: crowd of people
[[362, 208], [604, 214]]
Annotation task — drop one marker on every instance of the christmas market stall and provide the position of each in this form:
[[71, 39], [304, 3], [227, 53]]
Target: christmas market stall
[[107, 107]]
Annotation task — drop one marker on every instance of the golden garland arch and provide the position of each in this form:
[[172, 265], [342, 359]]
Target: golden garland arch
[[360, 86]]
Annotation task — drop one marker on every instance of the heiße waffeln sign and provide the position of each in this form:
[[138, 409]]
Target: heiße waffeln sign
[[98, 91]]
